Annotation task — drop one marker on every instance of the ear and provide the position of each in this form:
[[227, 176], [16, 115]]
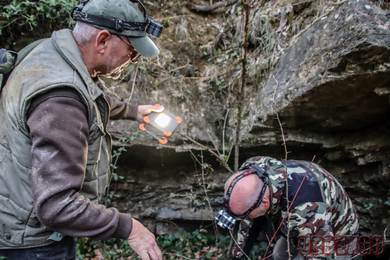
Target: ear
[[102, 42], [266, 199]]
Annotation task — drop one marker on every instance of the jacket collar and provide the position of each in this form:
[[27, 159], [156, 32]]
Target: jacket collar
[[66, 45]]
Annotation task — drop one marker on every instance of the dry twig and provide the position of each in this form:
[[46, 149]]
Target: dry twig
[[221, 160], [210, 8]]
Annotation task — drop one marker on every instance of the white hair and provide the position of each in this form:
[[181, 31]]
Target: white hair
[[83, 32]]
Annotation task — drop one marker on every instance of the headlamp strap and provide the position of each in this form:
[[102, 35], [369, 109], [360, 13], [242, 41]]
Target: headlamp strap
[[253, 169], [112, 23], [230, 189], [143, 7]]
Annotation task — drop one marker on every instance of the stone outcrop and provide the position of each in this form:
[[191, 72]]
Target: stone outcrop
[[331, 90]]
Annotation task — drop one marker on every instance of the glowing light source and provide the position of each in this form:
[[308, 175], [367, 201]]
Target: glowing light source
[[162, 120], [160, 125]]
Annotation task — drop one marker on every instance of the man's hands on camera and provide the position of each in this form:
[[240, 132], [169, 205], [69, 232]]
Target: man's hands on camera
[[143, 242], [144, 110]]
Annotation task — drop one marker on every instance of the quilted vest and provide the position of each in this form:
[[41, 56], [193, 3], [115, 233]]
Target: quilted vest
[[56, 62]]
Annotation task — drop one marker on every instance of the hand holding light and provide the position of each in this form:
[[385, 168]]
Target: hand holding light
[[145, 110]]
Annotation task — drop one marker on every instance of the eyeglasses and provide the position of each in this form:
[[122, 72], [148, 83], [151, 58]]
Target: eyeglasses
[[131, 47]]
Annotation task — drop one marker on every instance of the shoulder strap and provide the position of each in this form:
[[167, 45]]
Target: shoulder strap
[[26, 50], [12, 59]]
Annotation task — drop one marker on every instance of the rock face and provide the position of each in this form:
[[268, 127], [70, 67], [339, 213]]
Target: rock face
[[335, 78], [331, 91]]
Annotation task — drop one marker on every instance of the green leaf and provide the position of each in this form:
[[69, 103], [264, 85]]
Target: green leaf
[[271, 46], [122, 149], [239, 9], [123, 140], [368, 206], [209, 255]]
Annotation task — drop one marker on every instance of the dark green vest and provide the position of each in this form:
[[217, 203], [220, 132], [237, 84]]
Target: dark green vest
[[56, 62]]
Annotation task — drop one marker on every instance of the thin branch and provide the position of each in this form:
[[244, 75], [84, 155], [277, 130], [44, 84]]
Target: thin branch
[[134, 78], [188, 62], [200, 77], [208, 199], [257, 9], [178, 255], [212, 141], [204, 184], [223, 163], [288, 209], [242, 251], [303, 2], [168, 71], [13, 21], [215, 145], [208, 77], [223, 133], [285, 160], [214, 224], [240, 92], [210, 8]]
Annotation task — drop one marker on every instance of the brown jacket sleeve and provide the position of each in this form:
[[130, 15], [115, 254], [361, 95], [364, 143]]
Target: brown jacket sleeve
[[59, 133], [121, 110]]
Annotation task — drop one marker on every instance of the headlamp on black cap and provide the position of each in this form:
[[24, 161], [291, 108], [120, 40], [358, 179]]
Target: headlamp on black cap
[[153, 28], [225, 217], [149, 25]]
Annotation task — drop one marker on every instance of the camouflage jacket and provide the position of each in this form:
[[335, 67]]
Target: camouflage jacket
[[318, 203]]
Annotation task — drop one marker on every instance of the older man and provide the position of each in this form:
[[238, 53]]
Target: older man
[[55, 148], [318, 206]]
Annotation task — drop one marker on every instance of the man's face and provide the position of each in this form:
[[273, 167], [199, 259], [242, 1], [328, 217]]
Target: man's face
[[122, 54]]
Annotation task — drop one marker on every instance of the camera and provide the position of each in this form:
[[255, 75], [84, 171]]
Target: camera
[[225, 220]]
